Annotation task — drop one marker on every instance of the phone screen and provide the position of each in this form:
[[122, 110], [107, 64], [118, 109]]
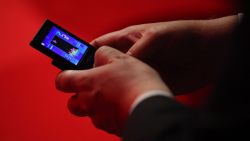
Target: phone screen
[[64, 45]]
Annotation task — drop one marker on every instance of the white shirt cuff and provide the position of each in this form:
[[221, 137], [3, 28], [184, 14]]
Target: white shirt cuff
[[147, 95], [240, 17]]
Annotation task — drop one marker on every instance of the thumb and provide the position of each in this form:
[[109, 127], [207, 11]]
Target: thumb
[[106, 55]]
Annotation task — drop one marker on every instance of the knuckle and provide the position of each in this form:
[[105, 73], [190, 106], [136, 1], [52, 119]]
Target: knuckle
[[107, 55], [122, 57], [151, 32], [129, 28], [102, 49], [100, 52]]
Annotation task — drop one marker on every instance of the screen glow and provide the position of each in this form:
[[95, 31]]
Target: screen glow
[[64, 45]]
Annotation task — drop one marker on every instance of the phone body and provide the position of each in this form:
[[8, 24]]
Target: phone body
[[67, 51]]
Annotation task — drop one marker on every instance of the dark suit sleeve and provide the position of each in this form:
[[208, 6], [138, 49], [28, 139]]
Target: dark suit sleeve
[[158, 119], [162, 119]]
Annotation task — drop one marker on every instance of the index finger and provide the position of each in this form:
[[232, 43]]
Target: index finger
[[110, 39]]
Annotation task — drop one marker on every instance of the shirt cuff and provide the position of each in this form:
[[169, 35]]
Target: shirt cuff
[[240, 17], [147, 95]]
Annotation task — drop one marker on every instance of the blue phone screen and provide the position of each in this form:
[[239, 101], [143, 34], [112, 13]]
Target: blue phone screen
[[64, 45]]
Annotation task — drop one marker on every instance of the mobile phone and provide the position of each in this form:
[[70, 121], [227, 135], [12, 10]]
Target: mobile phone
[[66, 50]]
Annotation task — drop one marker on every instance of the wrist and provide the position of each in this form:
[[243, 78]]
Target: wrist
[[126, 106]]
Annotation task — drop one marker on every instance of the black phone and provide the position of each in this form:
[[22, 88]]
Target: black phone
[[67, 51]]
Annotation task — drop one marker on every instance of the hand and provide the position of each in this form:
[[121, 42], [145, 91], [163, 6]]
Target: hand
[[106, 92], [187, 53]]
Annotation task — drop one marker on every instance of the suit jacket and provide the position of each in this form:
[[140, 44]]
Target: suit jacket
[[226, 117]]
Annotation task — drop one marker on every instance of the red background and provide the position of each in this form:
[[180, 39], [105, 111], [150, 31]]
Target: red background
[[31, 109]]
